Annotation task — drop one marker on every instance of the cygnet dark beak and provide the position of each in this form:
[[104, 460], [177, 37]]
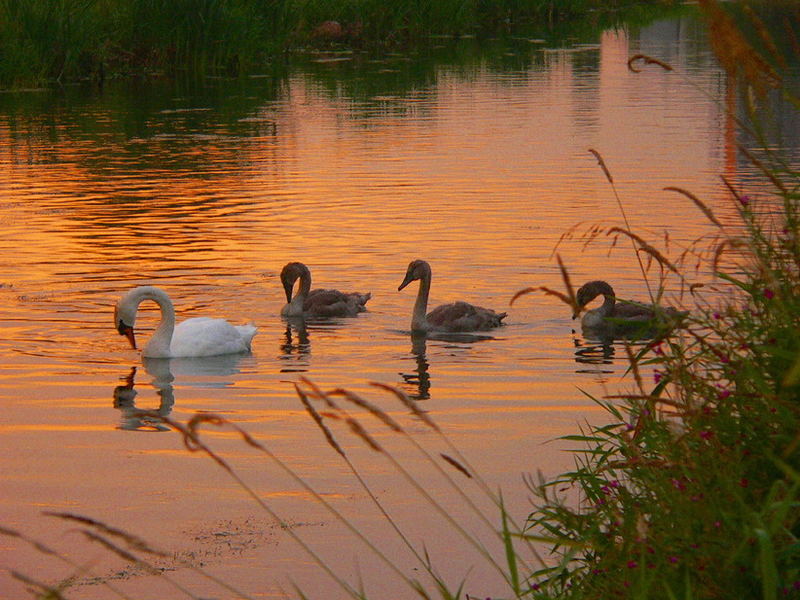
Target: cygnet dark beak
[[409, 278]]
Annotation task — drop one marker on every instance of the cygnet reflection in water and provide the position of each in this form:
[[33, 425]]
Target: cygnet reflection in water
[[419, 382], [295, 346], [597, 354]]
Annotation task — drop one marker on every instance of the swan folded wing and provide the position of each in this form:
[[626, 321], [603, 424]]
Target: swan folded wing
[[333, 303], [463, 316], [633, 311], [631, 320], [204, 336]]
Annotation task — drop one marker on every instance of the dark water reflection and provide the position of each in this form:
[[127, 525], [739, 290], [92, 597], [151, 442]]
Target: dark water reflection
[[211, 372], [417, 384], [137, 418], [595, 354], [296, 345]]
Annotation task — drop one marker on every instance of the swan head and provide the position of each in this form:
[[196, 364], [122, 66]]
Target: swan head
[[125, 318], [417, 269], [291, 273], [590, 291]]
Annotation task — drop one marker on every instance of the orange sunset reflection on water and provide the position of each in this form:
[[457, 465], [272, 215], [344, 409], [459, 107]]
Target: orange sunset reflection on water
[[208, 193]]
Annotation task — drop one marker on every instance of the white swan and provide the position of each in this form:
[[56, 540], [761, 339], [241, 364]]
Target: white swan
[[619, 315], [317, 303], [457, 316], [200, 336]]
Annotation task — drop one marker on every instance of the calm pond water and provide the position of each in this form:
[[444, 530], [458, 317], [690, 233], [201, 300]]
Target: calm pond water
[[473, 158]]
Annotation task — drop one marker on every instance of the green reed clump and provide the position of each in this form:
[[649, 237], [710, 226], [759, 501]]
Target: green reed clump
[[67, 40], [691, 491], [194, 35], [46, 40], [369, 22]]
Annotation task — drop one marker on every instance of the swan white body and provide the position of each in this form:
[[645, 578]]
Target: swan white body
[[453, 317], [200, 336], [317, 303], [619, 315]]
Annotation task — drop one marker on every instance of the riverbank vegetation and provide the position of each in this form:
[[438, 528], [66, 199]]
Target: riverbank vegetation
[[690, 490], [70, 40]]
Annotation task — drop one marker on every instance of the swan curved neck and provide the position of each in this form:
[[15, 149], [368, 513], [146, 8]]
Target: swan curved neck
[[295, 306], [159, 344], [305, 283], [418, 320], [607, 308]]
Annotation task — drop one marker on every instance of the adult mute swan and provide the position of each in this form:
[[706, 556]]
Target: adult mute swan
[[317, 303], [619, 315], [200, 336], [457, 316]]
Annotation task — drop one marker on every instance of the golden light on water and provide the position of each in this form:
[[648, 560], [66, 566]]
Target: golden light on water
[[479, 173]]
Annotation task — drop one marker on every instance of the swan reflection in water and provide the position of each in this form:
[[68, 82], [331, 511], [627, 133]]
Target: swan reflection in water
[[295, 346], [134, 418], [597, 354], [593, 353], [419, 381], [163, 372]]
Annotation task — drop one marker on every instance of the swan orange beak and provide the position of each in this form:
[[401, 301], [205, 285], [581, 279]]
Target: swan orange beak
[[127, 331]]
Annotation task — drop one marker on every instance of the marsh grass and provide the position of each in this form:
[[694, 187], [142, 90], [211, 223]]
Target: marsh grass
[[68, 40], [690, 490], [71, 40]]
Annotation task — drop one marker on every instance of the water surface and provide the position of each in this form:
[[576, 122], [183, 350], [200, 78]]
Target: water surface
[[355, 167]]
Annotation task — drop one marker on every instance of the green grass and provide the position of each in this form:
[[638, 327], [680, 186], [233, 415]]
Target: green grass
[[70, 40]]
